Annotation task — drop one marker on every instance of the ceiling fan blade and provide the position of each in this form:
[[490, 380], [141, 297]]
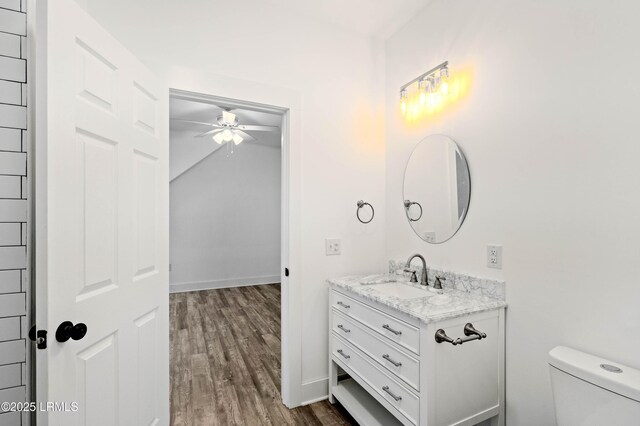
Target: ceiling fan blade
[[246, 136], [197, 122], [256, 128], [210, 132]]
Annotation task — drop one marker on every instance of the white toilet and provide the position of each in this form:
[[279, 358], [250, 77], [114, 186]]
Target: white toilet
[[591, 391]]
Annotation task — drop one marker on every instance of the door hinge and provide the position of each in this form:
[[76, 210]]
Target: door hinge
[[286, 272], [39, 336]]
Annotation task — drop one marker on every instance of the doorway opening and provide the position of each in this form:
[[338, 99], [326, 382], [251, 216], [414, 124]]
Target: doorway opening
[[228, 247]]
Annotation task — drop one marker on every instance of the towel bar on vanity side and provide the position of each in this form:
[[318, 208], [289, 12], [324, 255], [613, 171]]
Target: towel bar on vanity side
[[469, 331]]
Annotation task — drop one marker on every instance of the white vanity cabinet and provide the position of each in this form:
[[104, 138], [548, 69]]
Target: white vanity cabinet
[[399, 374]]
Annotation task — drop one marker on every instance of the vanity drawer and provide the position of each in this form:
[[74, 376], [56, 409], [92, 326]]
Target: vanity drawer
[[395, 361], [397, 395], [394, 329]]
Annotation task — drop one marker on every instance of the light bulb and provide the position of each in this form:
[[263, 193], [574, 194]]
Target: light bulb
[[444, 88], [444, 78], [227, 136], [432, 100], [237, 138], [218, 138], [403, 97]]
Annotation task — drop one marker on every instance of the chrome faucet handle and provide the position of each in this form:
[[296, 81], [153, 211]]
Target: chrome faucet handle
[[437, 284], [414, 277]]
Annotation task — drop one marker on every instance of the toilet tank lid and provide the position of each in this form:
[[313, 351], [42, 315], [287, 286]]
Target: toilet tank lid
[[588, 368]]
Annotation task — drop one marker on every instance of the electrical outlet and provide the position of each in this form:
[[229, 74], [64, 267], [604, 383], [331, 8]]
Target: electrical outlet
[[494, 256], [333, 246]]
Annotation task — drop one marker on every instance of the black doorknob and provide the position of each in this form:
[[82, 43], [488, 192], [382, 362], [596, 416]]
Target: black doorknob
[[67, 331]]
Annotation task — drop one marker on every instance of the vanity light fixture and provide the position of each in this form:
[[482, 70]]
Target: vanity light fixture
[[431, 87]]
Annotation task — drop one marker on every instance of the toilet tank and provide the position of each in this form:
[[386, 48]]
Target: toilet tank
[[592, 391]]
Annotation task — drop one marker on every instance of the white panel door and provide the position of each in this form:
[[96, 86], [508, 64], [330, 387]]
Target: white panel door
[[101, 224]]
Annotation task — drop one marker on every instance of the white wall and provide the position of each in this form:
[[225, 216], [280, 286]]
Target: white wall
[[338, 78], [225, 220], [549, 127]]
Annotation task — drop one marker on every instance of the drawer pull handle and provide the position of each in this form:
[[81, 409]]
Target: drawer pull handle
[[341, 327], [344, 305], [388, 358], [396, 332], [394, 396], [343, 354]]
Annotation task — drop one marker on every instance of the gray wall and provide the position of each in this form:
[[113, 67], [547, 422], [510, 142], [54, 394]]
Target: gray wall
[[225, 220], [13, 207]]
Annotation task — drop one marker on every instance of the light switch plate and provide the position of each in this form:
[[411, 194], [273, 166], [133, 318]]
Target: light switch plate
[[333, 246], [494, 256]]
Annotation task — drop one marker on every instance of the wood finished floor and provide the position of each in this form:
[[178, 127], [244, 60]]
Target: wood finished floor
[[225, 361]]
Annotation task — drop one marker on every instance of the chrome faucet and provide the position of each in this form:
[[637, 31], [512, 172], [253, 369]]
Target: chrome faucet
[[423, 275]]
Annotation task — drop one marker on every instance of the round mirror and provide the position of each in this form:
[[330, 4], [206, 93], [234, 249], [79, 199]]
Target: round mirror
[[437, 189]]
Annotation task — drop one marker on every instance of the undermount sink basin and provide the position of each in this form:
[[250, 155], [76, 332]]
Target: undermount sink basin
[[440, 299], [403, 291]]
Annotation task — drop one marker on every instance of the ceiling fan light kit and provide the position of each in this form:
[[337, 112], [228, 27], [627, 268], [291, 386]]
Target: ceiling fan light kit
[[218, 138], [227, 135]]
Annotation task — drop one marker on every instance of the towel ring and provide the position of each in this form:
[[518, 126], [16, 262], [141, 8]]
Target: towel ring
[[361, 204], [407, 206]]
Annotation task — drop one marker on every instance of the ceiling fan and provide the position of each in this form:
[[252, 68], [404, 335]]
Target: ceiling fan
[[227, 129]]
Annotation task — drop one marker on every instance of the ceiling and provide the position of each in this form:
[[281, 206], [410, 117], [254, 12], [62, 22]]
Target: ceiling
[[373, 18]]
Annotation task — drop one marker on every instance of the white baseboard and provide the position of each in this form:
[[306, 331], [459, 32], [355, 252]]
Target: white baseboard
[[227, 283], [314, 391]]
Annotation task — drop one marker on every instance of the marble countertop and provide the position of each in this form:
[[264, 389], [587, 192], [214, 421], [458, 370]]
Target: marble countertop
[[436, 305]]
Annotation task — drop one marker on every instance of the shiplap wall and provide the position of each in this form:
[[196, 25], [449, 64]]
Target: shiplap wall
[[13, 208]]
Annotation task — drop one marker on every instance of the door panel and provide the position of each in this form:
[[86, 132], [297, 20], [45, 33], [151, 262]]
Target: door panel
[[147, 336], [144, 109], [98, 189], [144, 232], [97, 77], [98, 382], [101, 224]]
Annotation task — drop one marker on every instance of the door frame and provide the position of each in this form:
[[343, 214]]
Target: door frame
[[291, 336]]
